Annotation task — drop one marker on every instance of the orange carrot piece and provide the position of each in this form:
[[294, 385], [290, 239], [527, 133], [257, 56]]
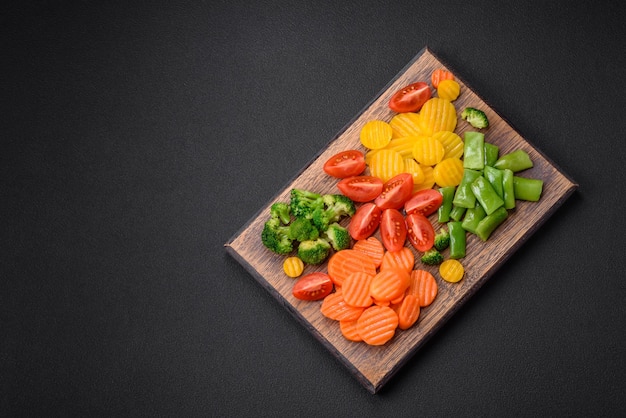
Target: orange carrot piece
[[404, 259], [439, 75], [372, 247], [335, 307], [345, 262], [389, 284], [424, 286], [349, 331], [356, 289], [408, 312], [377, 324]]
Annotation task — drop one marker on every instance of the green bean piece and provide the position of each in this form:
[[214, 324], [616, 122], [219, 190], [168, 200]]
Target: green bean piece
[[494, 177], [474, 150], [527, 189], [443, 213], [515, 161], [491, 154], [472, 217], [463, 196], [486, 196], [457, 239], [457, 213], [490, 222], [508, 189]]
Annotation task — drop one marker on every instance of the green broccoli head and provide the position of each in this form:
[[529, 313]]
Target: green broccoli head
[[302, 229], [336, 206], [475, 117], [275, 236], [314, 251], [432, 257], [281, 211], [303, 203], [338, 236], [442, 239]]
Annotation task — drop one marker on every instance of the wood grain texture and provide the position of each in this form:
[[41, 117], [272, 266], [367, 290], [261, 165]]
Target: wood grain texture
[[374, 366]]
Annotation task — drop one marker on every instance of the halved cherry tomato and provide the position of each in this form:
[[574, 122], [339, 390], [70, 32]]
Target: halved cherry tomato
[[396, 191], [345, 164], [313, 286], [410, 98], [392, 230], [361, 188], [425, 201], [420, 231], [365, 221]]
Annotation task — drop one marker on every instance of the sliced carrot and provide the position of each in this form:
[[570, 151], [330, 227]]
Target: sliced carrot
[[377, 324], [356, 289], [439, 75], [389, 284], [349, 331], [335, 307], [372, 247], [345, 262], [424, 286], [402, 259], [408, 312]]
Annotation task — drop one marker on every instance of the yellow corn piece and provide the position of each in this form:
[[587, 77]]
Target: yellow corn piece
[[452, 143], [448, 172], [449, 90], [405, 124], [429, 179], [386, 163], [451, 270], [428, 151], [415, 170], [375, 134], [293, 266], [436, 115]]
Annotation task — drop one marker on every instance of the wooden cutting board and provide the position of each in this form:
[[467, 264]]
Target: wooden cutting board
[[374, 366]]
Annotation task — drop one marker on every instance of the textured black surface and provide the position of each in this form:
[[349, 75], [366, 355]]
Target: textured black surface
[[138, 138]]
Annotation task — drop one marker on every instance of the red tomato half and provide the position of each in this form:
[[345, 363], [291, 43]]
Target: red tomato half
[[345, 164], [396, 191], [361, 188], [365, 221], [420, 231], [411, 98], [425, 201], [313, 286], [392, 230]]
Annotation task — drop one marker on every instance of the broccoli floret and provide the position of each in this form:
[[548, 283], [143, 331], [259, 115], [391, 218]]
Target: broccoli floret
[[281, 211], [303, 203], [275, 236], [475, 117], [337, 236], [314, 251], [302, 229], [336, 206], [432, 257], [442, 239]]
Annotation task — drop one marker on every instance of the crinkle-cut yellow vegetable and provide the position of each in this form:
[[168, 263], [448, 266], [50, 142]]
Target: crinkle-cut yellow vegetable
[[293, 266], [448, 172], [375, 134], [405, 124], [451, 270], [452, 143], [415, 170], [402, 145], [429, 179], [436, 115], [428, 151], [386, 163], [449, 89]]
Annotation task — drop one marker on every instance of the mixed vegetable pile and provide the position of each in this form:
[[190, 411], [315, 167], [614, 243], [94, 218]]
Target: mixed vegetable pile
[[415, 168]]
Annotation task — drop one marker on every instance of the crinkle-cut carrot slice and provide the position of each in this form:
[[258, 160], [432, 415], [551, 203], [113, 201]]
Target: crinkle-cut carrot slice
[[349, 331], [436, 115], [403, 259], [429, 179], [386, 163], [451, 270], [345, 262], [405, 124], [372, 247], [440, 74], [408, 312], [448, 172], [424, 286], [377, 324], [389, 284], [415, 170], [356, 289], [335, 307], [449, 89], [452, 143], [375, 134], [428, 150]]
